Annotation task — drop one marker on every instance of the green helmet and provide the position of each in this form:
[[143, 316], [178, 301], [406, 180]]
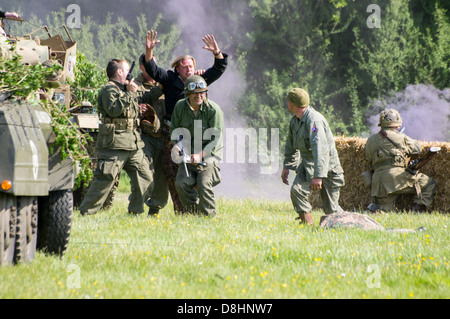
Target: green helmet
[[195, 84], [390, 118]]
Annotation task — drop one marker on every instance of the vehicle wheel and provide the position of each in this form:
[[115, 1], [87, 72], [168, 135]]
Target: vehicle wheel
[[55, 221], [8, 218], [26, 233]]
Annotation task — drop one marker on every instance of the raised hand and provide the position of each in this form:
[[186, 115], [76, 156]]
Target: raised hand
[[150, 44], [211, 45]]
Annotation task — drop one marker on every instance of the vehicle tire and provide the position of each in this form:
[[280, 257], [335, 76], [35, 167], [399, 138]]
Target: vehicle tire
[[26, 231], [55, 221], [8, 224]]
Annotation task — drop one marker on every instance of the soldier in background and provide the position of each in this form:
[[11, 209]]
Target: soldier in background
[[388, 152], [320, 169], [155, 134], [119, 141]]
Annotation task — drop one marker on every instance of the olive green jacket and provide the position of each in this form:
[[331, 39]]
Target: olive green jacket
[[310, 141], [207, 127], [389, 161], [119, 113]]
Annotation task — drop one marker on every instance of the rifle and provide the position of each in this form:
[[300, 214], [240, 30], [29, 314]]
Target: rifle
[[420, 162], [129, 75]]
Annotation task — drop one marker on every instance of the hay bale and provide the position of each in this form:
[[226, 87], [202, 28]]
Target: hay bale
[[355, 196]]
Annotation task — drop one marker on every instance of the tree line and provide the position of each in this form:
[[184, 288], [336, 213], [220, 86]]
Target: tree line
[[346, 53]]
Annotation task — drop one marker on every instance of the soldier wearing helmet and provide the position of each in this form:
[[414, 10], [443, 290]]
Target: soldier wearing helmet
[[388, 153], [183, 68], [173, 83], [320, 168], [197, 130]]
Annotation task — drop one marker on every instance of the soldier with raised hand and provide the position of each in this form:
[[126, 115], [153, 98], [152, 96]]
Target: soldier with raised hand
[[173, 83], [119, 141], [319, 169], [201, 123], [388, 153], [183, 67], [155, 134]]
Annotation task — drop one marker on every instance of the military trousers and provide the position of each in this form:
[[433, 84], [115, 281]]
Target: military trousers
[[425, 184], [110, 162], [200, 199], [159, 195], [301, 189]]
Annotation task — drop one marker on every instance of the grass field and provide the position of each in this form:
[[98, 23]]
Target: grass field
[[251, 249]]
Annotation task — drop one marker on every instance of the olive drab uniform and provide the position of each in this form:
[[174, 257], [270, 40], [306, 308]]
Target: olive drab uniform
[[311, 138], [119, 147], [209, 122], [158, 146], [388, 157]]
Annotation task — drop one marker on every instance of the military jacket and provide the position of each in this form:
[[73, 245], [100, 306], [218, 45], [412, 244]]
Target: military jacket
[[389, 161], [119, 113], [159, 105], [310, 141], [206, 127]]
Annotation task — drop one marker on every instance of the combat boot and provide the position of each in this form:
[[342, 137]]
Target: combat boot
[[305, 218], [419, 208], [153, 212]]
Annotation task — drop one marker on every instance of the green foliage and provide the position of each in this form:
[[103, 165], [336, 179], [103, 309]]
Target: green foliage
[[324, 46], [22, 80], [88, 81], [70, 140]]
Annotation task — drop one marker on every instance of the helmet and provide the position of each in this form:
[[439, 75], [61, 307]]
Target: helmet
[[298, 97], [195, 84], [390, 118]]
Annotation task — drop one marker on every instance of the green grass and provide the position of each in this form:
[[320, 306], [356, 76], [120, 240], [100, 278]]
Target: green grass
[[251, 249]]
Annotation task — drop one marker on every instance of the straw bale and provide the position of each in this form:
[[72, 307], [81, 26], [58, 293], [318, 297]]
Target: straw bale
[[355, 196]]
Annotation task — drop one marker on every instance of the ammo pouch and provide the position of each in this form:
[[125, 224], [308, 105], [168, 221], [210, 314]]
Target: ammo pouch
[[122, 123], [105, 135]]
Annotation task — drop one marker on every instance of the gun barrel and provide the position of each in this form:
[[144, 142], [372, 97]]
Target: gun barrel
[[422, 161]]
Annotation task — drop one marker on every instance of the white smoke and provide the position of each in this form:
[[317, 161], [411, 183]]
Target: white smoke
[[425, 112], [196, 19]]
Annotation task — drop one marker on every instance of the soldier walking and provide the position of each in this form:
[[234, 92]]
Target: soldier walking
[[320, 169], [119, 141]]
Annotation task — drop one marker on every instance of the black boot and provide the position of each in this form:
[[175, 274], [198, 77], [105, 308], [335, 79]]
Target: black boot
[[153, 212]]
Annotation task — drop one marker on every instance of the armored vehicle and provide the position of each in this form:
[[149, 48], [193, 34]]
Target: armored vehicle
[[36, 202]]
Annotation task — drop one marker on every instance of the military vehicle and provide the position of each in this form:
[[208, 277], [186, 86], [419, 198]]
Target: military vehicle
[[36, 202]]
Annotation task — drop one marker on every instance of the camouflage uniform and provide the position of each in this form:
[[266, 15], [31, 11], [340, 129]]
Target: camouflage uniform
[[120, 146], [388, 156], [312, 138], [208, 120]]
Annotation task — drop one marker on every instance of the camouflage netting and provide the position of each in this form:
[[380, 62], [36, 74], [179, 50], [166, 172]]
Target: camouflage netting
[[356, 196]]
